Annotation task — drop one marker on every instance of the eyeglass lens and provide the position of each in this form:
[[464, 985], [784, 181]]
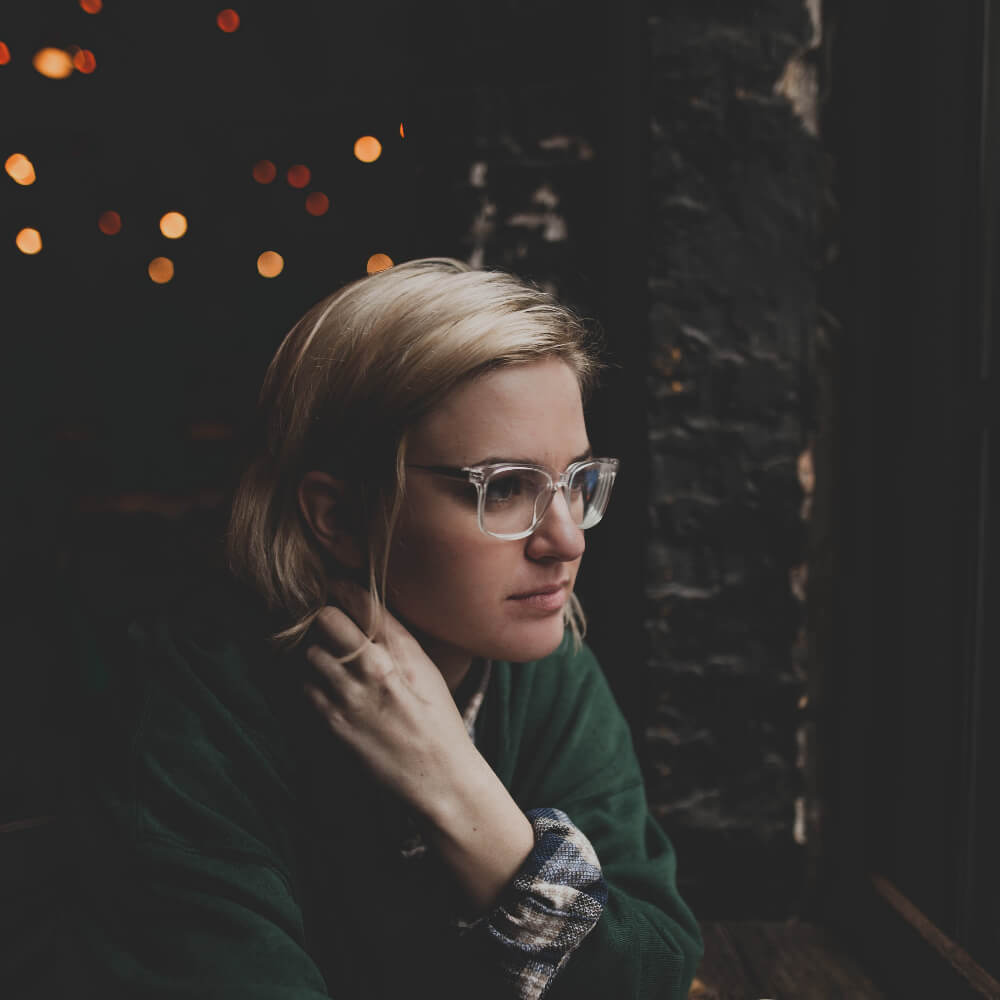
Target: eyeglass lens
[[513, 499]]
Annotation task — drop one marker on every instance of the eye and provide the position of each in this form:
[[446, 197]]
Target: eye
[[505, 487]]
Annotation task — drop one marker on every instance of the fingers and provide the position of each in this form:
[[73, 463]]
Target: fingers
[[359, 604]]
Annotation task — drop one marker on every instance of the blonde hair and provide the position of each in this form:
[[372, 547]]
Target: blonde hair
[[349, 379]]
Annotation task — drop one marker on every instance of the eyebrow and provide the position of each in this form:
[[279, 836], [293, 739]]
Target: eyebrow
[[500, 460]]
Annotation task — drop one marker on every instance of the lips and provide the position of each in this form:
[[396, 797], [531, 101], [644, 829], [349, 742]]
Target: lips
[[552, 588]]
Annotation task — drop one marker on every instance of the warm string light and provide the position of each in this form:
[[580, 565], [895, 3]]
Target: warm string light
[[109, 223], [270, 264], [56, 64], [161, 270], [29, 241], [317, 203], [402, 134], [378, 262], [264, 171], [92, 6], [173, 225], [84, 61], [228, 20], [20, 169], [367, 149], [298, 176], [4, 54]]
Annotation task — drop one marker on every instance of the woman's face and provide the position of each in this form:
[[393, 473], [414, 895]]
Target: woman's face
[[454, 586]]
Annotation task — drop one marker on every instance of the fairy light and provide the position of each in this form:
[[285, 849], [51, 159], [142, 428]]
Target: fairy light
[[402, 134], [20, 169], [29, 241], [270, 264], [173, 225], [299, 175], [4, 54], [161, 270], [264, 171], [378, 262], [317, 203], [92, 6], [109, 223], [85, 61], [368, 149], [56, 64], [228, 20]]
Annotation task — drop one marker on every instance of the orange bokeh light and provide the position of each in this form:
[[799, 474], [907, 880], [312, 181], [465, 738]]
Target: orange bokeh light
[[228, 20], [85, 61], [29, 241], [402, 134], [317, 203], [368, 149], [161, 270], [173, 225], [20, 169], [270, 264], [299, 175], [109, 223], [92, 6], [264, 171], [4, 54], [56, 64], [378, 262]]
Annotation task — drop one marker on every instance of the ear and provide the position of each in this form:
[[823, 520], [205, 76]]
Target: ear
[[331, 511]]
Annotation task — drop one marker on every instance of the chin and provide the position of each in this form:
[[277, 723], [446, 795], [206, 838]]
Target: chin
[[528, 642]]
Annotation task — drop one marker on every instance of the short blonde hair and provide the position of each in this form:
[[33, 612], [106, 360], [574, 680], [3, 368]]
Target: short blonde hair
[[346, 383]]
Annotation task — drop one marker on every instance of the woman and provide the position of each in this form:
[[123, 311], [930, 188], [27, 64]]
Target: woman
[[388, 764]]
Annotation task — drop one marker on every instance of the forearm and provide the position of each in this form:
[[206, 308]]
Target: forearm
[[479, 832]]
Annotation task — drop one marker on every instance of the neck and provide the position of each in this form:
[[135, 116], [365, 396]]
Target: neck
[[453, 663]]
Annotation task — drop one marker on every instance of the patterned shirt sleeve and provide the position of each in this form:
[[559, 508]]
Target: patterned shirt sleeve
[[550, 906]]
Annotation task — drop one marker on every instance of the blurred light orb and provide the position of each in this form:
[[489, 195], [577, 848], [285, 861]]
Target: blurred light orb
[[317, 203], [4, 54], [56, 64], [402, 134], [20, 169], [228, 20], [85, 61], [29, 241], [173, 225], [299, 175], [92, 6], [264, 171], [109, 223], [161, 270], [270, 264], [368, 149], [378, 262]]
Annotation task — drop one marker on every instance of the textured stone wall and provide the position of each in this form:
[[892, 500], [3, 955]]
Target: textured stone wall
[[735, 181]]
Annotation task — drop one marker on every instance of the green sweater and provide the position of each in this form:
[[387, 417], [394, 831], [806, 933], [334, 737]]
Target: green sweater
[[230, 848]]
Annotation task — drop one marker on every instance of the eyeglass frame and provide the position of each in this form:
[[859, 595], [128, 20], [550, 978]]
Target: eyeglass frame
[[478, 474]]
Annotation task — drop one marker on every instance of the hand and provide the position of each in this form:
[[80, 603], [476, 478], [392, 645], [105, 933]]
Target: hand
[[390, 704]]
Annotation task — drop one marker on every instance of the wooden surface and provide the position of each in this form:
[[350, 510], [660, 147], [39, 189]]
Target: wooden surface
[[750, 960]]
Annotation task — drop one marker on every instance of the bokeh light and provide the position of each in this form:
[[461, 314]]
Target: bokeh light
[[20, 169], [402, 134], [270, 264], [56, 64], [109, 223], [317, 203], [92, 6], [228, 20], [29, 241], [4, 54], [85, 61], [264, 171], [299, 175], [161, 269], [368, 149], [173, 225], [378, 262]]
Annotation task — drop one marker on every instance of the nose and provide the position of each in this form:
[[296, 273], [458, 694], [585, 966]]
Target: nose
[[557, 535]]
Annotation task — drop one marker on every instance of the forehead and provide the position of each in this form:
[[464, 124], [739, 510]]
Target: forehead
[[529, 411]]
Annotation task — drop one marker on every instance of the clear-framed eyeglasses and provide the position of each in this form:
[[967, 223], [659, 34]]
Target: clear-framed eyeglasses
[[513, 498]]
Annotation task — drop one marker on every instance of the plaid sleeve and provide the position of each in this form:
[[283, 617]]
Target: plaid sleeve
[[550, 906]]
